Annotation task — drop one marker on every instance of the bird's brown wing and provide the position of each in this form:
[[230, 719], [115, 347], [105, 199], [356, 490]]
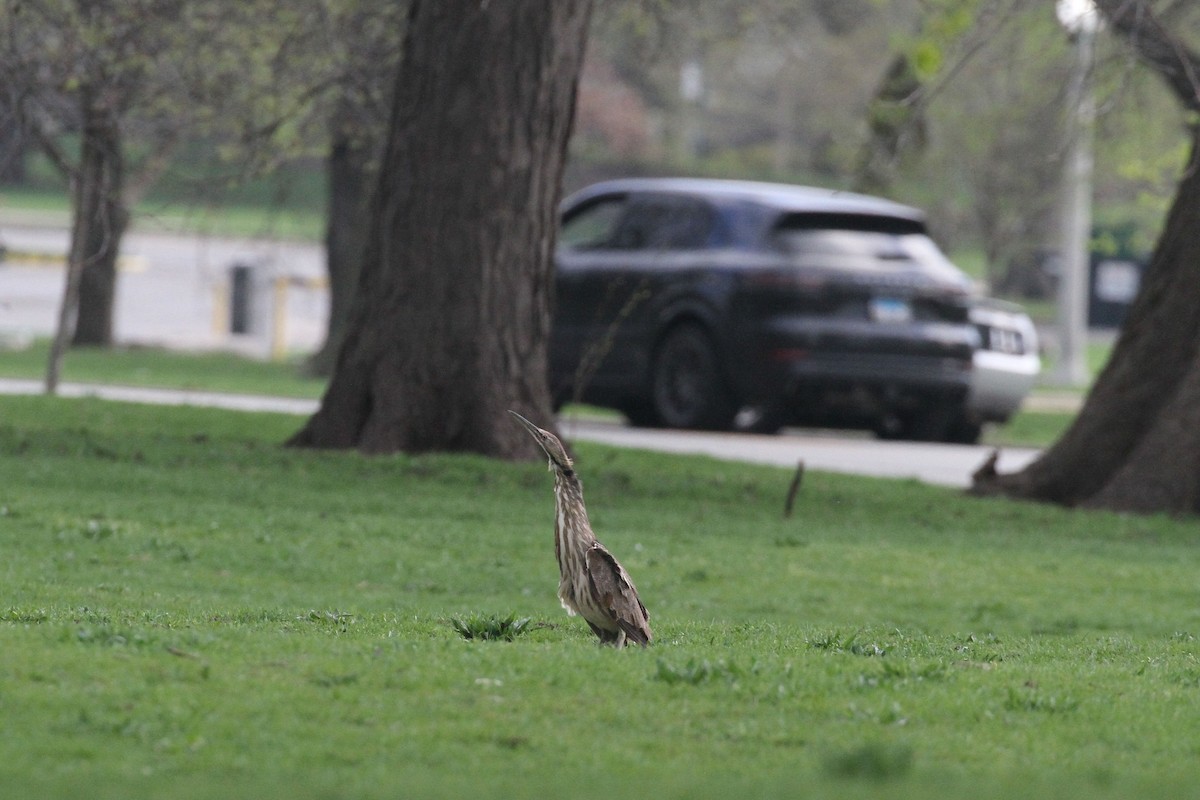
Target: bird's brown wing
[[614, 592]]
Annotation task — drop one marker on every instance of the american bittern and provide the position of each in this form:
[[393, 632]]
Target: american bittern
[[592, 583]]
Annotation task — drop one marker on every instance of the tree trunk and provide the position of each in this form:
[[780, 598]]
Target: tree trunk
[[350, 179], [1162, 473], [13, 143], [1141, 393], [100, 219], [452, 312], [1135, 445], [896, 127]]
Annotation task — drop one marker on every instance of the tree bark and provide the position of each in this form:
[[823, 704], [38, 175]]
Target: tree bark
[[1162, 473], [452, 312], [350, 179], [100, 220], [13, 143]]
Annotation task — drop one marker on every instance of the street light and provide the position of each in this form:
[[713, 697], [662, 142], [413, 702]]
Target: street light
[[1082, 21]]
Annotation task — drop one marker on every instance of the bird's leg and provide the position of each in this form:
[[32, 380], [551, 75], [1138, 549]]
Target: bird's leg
[[615, 638]]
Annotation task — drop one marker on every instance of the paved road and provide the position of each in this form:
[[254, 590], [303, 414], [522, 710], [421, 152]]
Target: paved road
[[944, 464], [173, 290]]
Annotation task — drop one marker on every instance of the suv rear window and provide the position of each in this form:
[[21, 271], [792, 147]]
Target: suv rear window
[[861, 243]]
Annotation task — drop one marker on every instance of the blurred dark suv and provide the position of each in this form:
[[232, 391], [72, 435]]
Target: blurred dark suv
[[691, 303]]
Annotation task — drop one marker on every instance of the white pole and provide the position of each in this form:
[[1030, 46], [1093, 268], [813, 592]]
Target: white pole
[[1077, 205]]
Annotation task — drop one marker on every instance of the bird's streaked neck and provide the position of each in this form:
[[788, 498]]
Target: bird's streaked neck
[[571, 515], [566, 479]]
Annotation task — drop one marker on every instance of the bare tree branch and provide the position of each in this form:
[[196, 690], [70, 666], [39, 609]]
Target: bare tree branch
[[1136, 22], [49, 145], [153, 166]]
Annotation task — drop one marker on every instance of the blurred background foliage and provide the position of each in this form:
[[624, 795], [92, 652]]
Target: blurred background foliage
[[957, 106]]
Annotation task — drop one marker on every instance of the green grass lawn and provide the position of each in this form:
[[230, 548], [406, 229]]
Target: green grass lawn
[[221, 217], [1028, 429], [191, 611], [142, 366]]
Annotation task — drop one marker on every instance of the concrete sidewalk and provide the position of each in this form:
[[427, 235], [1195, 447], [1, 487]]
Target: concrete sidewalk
[[166, 397]]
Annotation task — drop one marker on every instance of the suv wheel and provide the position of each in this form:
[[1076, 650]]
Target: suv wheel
[[686, 386]]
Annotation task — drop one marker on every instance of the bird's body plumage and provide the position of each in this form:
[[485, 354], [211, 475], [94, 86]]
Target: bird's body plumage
[[592, 583]]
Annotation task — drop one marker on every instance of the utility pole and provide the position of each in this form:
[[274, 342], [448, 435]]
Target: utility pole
[[691, 93], [1082, 21]]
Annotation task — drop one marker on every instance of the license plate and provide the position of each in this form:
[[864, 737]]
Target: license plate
[[890, 309]]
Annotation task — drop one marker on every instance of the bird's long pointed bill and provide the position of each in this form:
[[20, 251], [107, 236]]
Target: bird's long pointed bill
[[529, 426]]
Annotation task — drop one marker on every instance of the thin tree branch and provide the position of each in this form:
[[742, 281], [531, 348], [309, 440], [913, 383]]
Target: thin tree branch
[[45, 142], [1136, 22], [152, 167]]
